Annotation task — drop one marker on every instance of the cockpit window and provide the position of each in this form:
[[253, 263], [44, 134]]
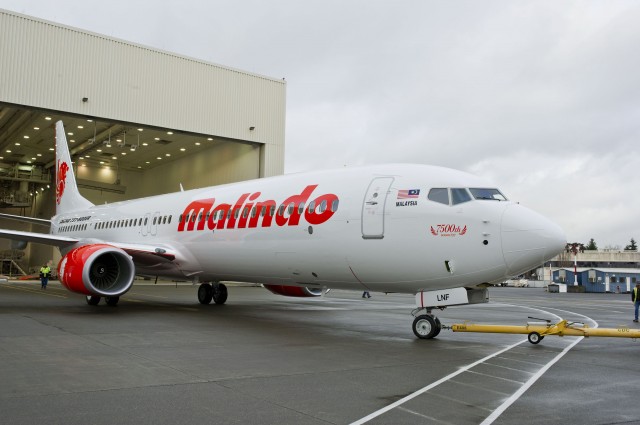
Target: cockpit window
[[440, 195], [459, 195], [487, 194]]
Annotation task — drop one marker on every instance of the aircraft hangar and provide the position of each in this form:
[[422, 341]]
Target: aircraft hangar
[[140, 121]]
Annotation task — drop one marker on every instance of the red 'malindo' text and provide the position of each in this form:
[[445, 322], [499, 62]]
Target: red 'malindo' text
[[249, 212]]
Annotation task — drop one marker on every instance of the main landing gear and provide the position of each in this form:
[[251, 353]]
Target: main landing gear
[[95, 300], [216, 292], [426, 326]]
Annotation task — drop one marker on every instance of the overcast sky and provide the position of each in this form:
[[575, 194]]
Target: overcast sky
[[542, 97]]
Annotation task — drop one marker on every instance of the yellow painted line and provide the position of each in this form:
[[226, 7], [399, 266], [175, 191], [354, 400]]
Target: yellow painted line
[[46, 292]]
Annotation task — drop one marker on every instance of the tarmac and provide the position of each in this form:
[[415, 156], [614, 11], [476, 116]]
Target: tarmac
[[159, 357]]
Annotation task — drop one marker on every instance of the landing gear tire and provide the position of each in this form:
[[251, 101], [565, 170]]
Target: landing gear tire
[[220, 293], [93, 300], [112, 301], [426, 326], [438, 327], [534, 337], [205, 293]]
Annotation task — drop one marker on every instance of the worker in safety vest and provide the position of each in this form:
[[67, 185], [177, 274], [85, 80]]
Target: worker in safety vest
[[635, 297], [45, 272]]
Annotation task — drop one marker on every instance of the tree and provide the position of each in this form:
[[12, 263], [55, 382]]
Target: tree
[[591, 246], [574, 247], [632, 246]]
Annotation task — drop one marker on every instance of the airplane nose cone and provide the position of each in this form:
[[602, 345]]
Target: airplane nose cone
[[529, 239]]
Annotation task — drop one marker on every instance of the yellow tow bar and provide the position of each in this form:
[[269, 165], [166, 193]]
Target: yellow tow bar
[[537, 331]]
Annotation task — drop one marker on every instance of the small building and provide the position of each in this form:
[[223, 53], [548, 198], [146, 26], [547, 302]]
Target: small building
[[614, 280]]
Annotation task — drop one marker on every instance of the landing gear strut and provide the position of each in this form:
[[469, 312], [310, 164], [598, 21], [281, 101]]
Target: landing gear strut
[[426, 326], [216, 292]]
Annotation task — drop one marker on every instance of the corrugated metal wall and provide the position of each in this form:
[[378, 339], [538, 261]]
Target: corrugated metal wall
[[50, 66]]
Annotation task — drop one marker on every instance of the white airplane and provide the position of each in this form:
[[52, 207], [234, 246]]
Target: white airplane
[[439, 233]]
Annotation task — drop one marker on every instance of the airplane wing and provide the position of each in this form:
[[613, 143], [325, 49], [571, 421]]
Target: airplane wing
[[43, 238], [144, 255], [32, 220]]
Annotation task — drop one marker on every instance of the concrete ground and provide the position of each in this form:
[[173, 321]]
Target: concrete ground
[[159, 357]]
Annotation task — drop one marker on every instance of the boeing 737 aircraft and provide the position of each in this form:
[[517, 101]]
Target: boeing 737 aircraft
[[441, 234]]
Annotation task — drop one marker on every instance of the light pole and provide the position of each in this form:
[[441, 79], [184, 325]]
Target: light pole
[[575, 247]]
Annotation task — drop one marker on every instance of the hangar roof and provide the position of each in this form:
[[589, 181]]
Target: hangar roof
[[27, 138], [160, 104]]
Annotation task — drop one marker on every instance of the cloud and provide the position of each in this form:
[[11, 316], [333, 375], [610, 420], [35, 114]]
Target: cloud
[[542, 96]]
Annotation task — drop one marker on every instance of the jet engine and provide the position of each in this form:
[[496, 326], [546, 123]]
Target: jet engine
[[98, 270], [294, 291]]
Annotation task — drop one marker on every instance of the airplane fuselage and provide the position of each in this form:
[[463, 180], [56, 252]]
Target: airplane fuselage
[[370, 227]]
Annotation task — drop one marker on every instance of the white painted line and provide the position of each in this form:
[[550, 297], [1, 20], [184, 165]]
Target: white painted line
[[508, 402], [432, 385], [496, 413]]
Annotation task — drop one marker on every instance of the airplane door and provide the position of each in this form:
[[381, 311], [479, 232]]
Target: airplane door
[[145, 225], [154, 223], [373, 208]]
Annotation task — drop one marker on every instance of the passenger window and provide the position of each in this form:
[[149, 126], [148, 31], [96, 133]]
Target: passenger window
[[334, 205], [312, 207], [169, 219], [301, 208], [439, 195], [458, 196]]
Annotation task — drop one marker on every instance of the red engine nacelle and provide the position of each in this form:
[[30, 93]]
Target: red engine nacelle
[[99, 269], [294, 291]]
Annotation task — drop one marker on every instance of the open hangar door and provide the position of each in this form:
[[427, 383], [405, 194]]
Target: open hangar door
[[140, 121], [113, 161]]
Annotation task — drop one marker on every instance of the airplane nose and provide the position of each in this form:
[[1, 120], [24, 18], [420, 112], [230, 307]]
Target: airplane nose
[[529, 239]]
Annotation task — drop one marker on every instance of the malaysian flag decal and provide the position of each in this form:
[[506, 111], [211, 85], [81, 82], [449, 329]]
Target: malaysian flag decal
[[408, 193]]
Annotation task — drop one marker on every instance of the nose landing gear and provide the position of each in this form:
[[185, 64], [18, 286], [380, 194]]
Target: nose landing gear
[[426, 326]]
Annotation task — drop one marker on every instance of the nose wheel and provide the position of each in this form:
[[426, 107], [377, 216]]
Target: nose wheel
[[426, 326]]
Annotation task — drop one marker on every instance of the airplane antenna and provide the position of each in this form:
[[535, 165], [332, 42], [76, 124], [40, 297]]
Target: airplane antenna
[[181, 188]]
